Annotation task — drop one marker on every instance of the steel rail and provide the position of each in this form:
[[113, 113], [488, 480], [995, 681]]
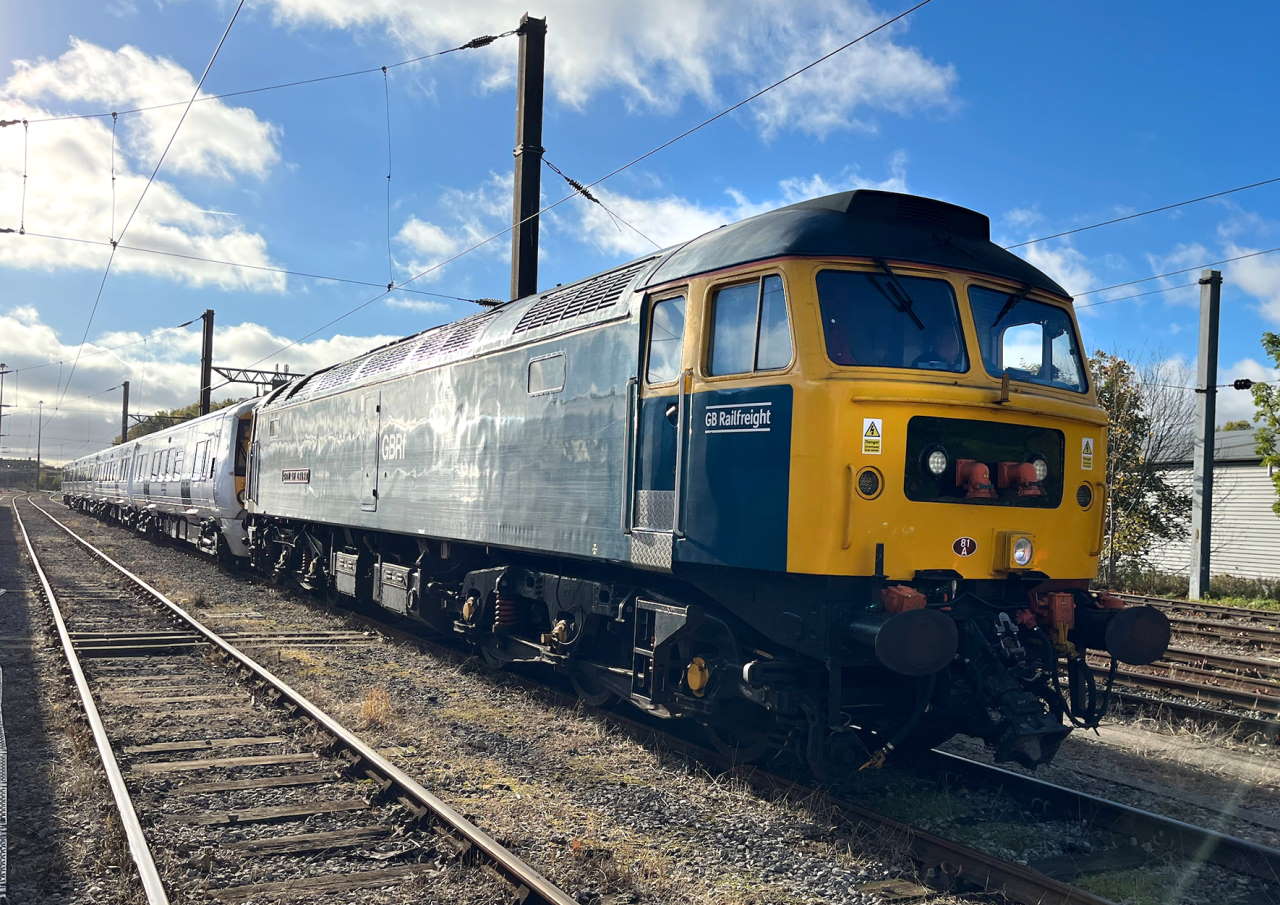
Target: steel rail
[[1214, 611], [1268, 729], [1225, 631], [538, 889], [1227, 664], [139, 850], [1019, 883], [1196, 842], [1247, 700]]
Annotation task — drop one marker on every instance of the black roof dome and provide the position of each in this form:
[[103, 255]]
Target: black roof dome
[[861, 224]]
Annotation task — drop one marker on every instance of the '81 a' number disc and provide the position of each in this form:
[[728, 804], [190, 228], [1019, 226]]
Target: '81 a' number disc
[[965, 546]]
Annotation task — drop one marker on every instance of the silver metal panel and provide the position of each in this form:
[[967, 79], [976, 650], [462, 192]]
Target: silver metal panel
[[655, 509], [393, 587], [369, 415], [344, 573], [466, 453], [651, 549]]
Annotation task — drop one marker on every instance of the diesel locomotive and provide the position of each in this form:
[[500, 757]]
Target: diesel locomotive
[[829, 478]]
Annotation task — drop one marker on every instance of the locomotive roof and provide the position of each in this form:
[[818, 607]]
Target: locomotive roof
[[862, 224]]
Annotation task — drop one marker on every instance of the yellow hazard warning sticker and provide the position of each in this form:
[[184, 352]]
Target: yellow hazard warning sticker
[[1086, 454], [872, 436]]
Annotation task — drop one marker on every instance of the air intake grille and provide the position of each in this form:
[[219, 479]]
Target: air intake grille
[[589, 295]]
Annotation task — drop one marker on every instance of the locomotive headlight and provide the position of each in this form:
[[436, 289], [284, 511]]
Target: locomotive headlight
[[1041, 467], [936, 462], [1022, 552]]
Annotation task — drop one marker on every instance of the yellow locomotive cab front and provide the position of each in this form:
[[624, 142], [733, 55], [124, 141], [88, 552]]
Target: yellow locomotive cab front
[[928, 459]]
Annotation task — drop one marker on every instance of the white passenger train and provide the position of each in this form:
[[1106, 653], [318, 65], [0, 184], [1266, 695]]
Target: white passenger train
[[186, 482]]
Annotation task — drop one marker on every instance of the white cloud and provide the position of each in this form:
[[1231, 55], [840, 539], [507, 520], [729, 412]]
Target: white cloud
[[1179, 292], [69, 193], [661, 52], [671, 219], [1236, 405], [215, 140], [163, 372], [1066, 265], [1258, 276], [472, 215], [423, 306], [1023, 217]]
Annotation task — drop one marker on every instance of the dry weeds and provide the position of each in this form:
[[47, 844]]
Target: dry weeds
[[375, 708]]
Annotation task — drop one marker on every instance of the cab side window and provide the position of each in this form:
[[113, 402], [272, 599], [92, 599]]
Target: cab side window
[[749, 328], [666, 338]]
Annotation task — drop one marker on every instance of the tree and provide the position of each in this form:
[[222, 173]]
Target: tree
[[1150, 420], [171, 417], [1236, 426], [1266, 397]]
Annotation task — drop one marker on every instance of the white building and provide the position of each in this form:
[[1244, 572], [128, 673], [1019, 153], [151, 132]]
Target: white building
[[1246, 530]]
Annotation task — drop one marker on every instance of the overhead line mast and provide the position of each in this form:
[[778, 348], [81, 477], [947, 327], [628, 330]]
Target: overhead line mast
[[528, 153]]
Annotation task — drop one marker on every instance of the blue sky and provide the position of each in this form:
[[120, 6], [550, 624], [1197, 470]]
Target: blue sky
[[1044, 117]]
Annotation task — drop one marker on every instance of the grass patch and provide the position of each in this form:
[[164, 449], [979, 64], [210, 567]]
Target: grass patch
[[375, 708]]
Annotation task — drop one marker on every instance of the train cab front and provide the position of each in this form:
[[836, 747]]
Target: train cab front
[[960, 413]]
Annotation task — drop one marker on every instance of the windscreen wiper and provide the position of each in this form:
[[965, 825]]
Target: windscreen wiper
[[1013, 299], [903, 301]]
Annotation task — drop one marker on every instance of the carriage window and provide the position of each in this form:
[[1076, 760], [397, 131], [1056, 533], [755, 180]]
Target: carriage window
[[666, 337], [546, 374], [178, 456], [749, 329], [883, 321], [1030, 341]]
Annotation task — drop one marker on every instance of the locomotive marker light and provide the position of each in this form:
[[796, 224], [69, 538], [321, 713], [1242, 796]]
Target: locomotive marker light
[[1041, 467], [937, 462], [1023, 550]]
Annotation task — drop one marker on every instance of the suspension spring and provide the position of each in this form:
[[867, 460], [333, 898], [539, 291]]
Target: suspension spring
[[506, 614]]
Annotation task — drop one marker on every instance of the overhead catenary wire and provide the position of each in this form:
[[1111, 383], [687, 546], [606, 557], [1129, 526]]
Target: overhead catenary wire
[[474, 43], [587, 194], [1137, 295], [261, 267], [106, 350], [142, 196], [1154, 210], [614, 172], [1174, 273]]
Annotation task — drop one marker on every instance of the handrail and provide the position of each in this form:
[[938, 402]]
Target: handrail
[[677, 508]]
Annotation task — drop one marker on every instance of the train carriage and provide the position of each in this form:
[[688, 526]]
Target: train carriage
[[833, 474], [185, 482]]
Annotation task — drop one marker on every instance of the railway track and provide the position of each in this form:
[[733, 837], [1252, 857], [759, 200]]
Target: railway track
[[954, 864], [206, 751], [1207, 610], [950, 862]]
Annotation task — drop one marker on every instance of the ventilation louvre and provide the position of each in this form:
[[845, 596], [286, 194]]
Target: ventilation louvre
[[579, 298]]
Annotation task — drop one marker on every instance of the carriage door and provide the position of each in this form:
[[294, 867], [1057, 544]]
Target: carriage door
[[370, 418], [659, 420]]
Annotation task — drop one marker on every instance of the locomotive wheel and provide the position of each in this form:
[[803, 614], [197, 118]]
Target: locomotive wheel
[[588, 687], [743, 732]]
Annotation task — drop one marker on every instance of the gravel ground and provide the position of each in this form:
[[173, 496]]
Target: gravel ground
[[616, 821], [64, 844], [193, 858], [600, 814]]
